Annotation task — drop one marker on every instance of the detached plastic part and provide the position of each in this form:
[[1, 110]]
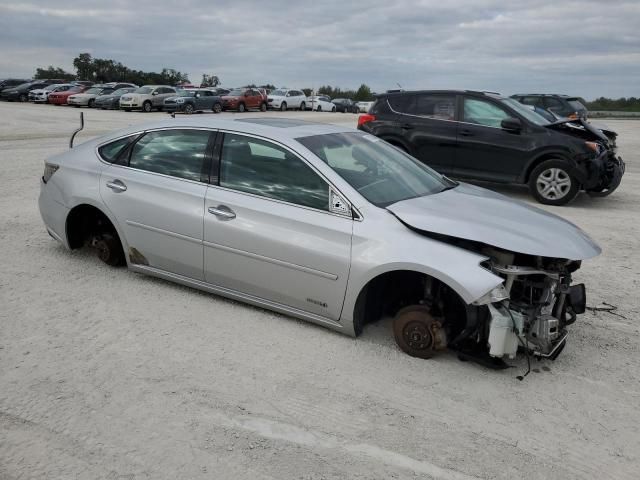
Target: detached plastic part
[[503, 340]]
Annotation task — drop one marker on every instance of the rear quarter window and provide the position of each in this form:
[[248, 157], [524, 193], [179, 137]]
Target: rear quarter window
[[109, 152]]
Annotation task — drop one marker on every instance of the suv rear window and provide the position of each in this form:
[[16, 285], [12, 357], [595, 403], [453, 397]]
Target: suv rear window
[[576, 104]]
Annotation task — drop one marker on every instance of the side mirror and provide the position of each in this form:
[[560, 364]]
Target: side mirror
[[155, 93], [511, 124]]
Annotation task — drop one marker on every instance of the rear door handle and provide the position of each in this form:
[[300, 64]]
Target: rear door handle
[[117, 186], [466, 132], [407, 126], [223, 212]]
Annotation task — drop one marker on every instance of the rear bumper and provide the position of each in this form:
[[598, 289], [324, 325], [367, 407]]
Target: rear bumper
[[54, 215]]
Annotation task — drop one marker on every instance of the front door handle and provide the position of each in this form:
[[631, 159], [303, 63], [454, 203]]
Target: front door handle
[[466, 132], [117, 186], [407, 126], [223, 212]]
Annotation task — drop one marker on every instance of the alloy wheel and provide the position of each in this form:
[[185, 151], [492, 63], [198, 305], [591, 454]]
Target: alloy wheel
[[553, 183]]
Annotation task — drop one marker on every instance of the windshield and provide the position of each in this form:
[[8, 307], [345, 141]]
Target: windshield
[[186, 93], [144, 90], [278, 93], [236, 92], [380, 172], [121, 91], [94, 90], [52, 87], [526, 112], [75, 89]]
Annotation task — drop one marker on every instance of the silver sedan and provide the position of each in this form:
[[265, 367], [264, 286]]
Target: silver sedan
[[323, 223]]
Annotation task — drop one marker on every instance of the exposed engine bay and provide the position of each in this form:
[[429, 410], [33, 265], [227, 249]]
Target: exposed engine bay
[[540, 303]]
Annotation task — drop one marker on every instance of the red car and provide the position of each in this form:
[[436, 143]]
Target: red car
[[60, 98], [243, 99]]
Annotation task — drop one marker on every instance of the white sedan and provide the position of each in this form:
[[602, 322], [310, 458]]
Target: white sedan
[[320, 103]]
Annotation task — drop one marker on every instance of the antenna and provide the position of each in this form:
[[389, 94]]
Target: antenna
[[73, 135]]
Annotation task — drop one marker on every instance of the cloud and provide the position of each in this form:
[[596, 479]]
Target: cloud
[[580, 47]]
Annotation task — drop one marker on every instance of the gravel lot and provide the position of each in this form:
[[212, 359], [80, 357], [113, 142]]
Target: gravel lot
[[106, 374]]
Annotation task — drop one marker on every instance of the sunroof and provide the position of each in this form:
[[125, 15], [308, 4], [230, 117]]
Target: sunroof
[[276, 122]]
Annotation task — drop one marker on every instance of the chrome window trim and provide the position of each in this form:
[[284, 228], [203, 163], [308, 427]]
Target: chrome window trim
[[439, 119], [358, 217]]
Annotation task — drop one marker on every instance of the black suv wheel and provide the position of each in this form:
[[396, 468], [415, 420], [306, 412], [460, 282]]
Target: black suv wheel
[[551, 183]]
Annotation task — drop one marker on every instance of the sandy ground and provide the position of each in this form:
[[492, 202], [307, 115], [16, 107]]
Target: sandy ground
[[106, 374]]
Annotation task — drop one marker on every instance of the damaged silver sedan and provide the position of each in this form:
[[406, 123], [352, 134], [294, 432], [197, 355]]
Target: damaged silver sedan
[[323, 223]]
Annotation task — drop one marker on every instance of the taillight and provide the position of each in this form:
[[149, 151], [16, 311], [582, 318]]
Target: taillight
[[366, 118], [49, 170]]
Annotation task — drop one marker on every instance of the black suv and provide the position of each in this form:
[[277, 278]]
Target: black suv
[[485, 136], [562, 105]]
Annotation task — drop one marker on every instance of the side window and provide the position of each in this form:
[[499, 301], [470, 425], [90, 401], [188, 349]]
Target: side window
[[179, 153], [439, 107], [263, 168], [483, 113], [109, 152]]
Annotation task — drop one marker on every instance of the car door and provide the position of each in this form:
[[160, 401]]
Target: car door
[[156, 189], [427, 124], [268, 231], [485, 150], [204, 100]]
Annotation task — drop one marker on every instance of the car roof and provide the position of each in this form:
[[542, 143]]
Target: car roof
[[400, 93], [276, 128], [543, 95]]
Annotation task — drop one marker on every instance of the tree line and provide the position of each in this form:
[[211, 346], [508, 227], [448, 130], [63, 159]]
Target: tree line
[[631, 104], [101, 70]]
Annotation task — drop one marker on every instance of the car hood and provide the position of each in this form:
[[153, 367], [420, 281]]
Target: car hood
[[478, 214], [39, 90], [566, 125], [104, 98], [83, 95]]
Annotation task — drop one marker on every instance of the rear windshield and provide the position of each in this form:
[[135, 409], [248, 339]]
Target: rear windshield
[[236, 92], [279, 93], [380, 172]]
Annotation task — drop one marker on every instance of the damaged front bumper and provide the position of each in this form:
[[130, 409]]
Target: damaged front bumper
[[612, 170], [542, 304]]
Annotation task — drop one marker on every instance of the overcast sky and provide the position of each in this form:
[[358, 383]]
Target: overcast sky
[[587, 48]]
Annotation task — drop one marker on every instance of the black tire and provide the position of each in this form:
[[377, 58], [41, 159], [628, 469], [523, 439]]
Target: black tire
[[217, 107], [417, 333], [242, 108], [551, 183], [109, 249], [127, 109], [147, 107], [188, 109], [91, 103], [263, 107], [319, 109], [303, 107], [333, 109], [283, 107], [23, 98]]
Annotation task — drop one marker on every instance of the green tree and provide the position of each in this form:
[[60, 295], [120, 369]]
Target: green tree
[[53, 72], [83, 66], [363, 94]]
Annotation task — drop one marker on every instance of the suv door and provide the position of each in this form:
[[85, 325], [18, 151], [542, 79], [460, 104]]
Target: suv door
[[268, 231], [427, 123], [486, 151], [155, 190]]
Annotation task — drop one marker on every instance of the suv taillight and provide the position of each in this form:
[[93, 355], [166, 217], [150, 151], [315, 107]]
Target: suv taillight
[[49, 170], [366, 118]]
